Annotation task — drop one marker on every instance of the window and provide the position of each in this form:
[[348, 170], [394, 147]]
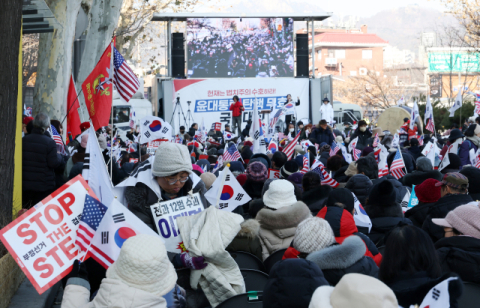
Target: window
[[340, 53], [319, 54], [367, 54]]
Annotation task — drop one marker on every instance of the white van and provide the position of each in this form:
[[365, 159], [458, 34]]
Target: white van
[[121, 110]]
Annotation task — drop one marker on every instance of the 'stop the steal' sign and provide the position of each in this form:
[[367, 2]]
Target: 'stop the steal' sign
[[42, 241]]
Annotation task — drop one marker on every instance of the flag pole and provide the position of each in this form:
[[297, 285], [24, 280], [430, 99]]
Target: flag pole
[[399, 150], [111, 113], [224, 174], [70, 108]]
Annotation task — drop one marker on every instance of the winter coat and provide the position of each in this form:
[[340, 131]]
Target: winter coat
[[418, 213], [39, 160], [363, 138], [277, 227], [411, 289], [247, 239], [191, 131], [324, 156], [236, 109], [253, 189], [440, 210], [360, 185], [384, 218], [415, 152], [207, 234], [400, 190], [140, 197], [316, 198], [340, 176], [464, 152], [461, 255], [112, 293], [343, 226], [322, 135], [349, 257], [291, 284], [417, 177]]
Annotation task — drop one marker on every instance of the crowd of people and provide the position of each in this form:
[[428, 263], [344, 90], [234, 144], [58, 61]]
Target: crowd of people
[[328, 261], [263, 53]]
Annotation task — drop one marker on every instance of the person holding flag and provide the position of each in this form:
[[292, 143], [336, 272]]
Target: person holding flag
[[428, 120]]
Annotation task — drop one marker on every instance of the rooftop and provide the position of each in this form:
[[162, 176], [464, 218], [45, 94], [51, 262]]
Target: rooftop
[[349, 39]]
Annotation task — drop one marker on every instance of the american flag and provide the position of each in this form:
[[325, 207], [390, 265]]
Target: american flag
[[356, 154], [376, 140], [58, 140], [420, 140], [477, 163], [396, 168], [231, 153], [306, 162], [377, 155], [93, 212], [326, 178], [277, 115], [334, 149], [123, 77], [430, 125], [290, 148], [218, 164]]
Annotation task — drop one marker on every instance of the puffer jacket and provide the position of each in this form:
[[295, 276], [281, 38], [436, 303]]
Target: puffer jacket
[[277, 227], [343, 226], [140, 197], [418, 213], [360, 185], [39, 160], [384, 218], [417, 177], [349, 257], [316, 198], [440, 210], [322, 135], [464, 152], [247, 239], [460, 254], [112, 293]]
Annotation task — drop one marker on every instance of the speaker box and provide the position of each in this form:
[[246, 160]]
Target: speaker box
[[302, 55], [177, 41], [178, 56], [302, 41]]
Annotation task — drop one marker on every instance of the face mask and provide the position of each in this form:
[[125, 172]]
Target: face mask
[[363, 128], [291, 130]]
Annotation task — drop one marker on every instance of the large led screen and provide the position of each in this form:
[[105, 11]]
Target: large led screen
[[247, 47]]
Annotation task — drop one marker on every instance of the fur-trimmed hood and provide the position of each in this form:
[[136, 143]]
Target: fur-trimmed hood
[[285, 217], [249, 229], [339, 256]]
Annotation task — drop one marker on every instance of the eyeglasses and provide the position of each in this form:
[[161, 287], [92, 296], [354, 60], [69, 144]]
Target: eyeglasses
[[174, 181]]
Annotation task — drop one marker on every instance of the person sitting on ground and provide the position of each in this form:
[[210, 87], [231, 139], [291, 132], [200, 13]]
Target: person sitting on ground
[[142, 276], [314, 193], [256, 176], [384, 211], [459, 250], [453, 193], [414, 148], [291, 284], [454, 165], [338, 166], [424, 171], [280, 217], [354, 290], [411, 268], [427, 194], [339, 212], [360, 185], [472, 142], [288, 169], [473, 175], [278, 160]]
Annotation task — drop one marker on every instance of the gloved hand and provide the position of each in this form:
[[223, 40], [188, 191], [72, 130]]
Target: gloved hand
[[196, 263], [79, 270]]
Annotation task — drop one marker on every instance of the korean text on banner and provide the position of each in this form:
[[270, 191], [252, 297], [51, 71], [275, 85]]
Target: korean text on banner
[[153, 145], [165, 215], [42, 241], [273, 174]]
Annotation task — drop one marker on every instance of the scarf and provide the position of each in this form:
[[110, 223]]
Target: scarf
[[475, 140]]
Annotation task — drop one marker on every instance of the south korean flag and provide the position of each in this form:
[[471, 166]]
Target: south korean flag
[[226, 193]]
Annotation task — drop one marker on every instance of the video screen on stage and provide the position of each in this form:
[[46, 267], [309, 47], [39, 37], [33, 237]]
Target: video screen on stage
[[243, 47]]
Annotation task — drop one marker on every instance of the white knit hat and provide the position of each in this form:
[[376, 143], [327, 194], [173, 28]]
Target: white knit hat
[[143, 264], [313, 234], [280, 193], [171, 158]]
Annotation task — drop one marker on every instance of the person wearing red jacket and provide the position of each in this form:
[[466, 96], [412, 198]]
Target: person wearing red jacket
[[236, 107]]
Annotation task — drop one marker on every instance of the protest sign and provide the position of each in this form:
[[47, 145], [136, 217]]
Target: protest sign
[[42, 241], [165, 215], [153, 145], [217, 126], [273, 174]]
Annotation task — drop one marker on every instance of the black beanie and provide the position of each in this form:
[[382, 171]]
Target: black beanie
[[290, 167], [341, 195], [382, 193]]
